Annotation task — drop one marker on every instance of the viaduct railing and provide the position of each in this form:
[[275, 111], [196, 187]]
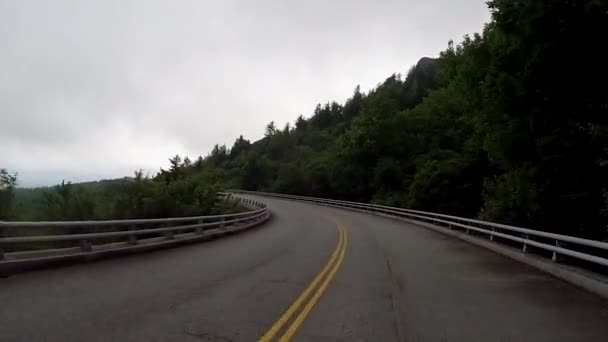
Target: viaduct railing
[[26, 245], [555, 245]]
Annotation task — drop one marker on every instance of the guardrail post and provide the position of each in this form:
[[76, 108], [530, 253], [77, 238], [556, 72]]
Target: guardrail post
[[199, 230], [556, 257], [85, 246], [492, 235], [524, 249], [168, 235], [132, 239], [222, 224]]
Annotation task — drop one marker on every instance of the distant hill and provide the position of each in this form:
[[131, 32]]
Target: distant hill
[[28, 200]]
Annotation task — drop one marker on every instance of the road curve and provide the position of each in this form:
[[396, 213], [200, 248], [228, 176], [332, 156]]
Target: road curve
[[394, 282]]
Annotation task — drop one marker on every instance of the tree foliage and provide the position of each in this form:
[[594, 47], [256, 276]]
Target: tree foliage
[[8, 182], [186, 189]]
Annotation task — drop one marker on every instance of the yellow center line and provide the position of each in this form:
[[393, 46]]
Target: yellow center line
[[323, 277], [315, 298]]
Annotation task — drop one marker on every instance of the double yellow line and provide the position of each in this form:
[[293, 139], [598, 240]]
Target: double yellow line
[[316, 288]]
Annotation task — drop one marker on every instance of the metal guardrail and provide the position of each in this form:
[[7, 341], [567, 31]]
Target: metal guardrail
[[526, 237], [89, 232]]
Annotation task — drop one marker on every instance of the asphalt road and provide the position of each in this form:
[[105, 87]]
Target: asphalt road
[[393, 282]]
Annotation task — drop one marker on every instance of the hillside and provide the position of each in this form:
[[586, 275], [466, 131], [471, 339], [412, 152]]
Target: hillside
[[502, 126]]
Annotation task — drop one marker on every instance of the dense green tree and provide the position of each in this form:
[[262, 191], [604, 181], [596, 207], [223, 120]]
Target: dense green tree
[[218, 155], [240, 145], [8, 182], [256, 173], [541, 113], [271, 130], [301, 123]]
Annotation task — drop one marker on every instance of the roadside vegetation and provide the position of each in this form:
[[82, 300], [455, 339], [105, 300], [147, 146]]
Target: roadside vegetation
[[509, 125], [171, 193]]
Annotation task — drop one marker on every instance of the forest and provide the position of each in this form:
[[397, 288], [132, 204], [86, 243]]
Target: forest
[[508, 125]]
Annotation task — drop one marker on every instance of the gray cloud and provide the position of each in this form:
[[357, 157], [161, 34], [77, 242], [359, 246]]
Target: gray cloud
[[96, 89]]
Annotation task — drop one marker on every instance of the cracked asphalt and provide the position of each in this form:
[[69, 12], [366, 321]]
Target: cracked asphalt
[[398, 282]]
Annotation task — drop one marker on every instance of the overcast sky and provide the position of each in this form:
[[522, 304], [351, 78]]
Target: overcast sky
[[97, 89]]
